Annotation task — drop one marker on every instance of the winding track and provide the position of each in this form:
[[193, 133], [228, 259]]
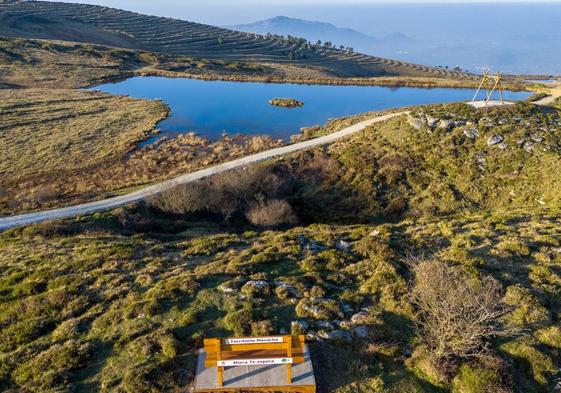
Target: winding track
[[105, 204]]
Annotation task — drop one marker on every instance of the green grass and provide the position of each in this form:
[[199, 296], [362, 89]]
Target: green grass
[[121, 302]]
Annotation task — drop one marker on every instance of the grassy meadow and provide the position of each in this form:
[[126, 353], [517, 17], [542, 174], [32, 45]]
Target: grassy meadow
[[119, 301]]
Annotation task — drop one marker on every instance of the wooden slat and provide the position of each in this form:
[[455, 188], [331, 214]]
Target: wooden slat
[[252, 347]]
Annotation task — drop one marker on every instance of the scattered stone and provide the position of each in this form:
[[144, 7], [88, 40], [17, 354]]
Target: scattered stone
[[360, 317], [445, 124], [432, 121], [319, 308], [256, 288], [460, 123], [471, 133], [313, 337], [361, 331], [337, 335], [311, 245], [529, 147], [375, 233], [343, 245], [287, 290], [536, 138], [415, 122], [325, 325], [480, 159], [299, 326], [494, 140], [502, 145]]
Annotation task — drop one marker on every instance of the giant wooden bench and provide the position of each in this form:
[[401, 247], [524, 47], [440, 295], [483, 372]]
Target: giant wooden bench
[[276, 363]]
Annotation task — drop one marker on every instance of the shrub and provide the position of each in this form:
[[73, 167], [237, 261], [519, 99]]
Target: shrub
[[271, 213], [239, 322], [458, 314]]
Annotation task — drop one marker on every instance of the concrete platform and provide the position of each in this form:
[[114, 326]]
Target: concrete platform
[[489, 104], [256, 378]]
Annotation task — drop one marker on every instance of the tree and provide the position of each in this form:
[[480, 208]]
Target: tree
[[220, 40], [457, 314], [271, 213], [318, 43]]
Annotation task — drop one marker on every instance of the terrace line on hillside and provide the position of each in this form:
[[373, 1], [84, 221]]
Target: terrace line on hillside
[[118, 28]]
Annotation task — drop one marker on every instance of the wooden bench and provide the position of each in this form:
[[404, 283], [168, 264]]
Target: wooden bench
[[245, 351]]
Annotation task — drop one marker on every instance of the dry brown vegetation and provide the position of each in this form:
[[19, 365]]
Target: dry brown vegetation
[[83, 146]]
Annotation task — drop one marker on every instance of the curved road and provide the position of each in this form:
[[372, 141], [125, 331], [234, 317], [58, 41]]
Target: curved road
[[86, 208]]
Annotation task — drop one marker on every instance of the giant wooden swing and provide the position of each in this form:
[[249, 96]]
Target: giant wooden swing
[[491, 83], [255, 364]]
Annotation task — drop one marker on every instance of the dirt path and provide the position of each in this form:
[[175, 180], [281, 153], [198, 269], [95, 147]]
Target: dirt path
[[555, 93], [110, 203]]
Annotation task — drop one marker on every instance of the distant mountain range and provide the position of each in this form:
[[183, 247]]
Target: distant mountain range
[[522, 53], [314, 31]]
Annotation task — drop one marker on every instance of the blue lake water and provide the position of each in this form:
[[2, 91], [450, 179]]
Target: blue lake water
[[211, 108]]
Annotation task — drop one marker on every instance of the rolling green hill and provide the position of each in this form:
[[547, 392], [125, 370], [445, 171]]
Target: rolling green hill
[[113, 27]]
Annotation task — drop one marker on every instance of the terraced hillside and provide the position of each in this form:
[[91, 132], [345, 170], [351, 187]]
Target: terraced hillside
[[113, 27]]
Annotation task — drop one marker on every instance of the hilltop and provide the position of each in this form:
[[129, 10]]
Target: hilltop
[[118, 28], [325, 32], [321, 243]]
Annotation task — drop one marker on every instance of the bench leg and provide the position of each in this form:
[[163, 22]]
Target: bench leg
[[220, 376]]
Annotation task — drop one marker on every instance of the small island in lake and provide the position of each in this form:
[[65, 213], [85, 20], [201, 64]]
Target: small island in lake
[[286, 102]]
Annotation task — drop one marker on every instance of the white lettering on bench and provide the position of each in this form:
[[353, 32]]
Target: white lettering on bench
[[253, 362], [253, 340]]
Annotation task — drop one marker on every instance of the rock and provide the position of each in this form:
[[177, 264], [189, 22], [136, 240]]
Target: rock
[[361, 331], [325, 325], [536, 138], [231, 286], [529, 147], [313, 337], [471, 133], [446, 124], [480, 158], [337, 335], [375, 233], [360, 317], [256, 288], [287, 290], [311, 245], [415, 122], [432, 121], [502, 145], [494, 140], [319, 308], [299, 327], [343, 245]]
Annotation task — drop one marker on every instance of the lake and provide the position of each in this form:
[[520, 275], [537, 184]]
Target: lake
[[211, 108]]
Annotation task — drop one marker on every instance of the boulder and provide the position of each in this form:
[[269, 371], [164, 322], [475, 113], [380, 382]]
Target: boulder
[[536, 138], [319, 308], [415, 122], [347, 309], [256, 288], [299, 327], [494, 140], [311, 245], [360, 317], [529, 147], [326, 325], [285, 290], [337, 335], [502, 145], [471, 133], [445, 124], [343, 245], [432, 121]]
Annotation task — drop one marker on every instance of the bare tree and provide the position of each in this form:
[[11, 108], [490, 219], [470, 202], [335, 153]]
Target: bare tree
[[458, 313], [271, 213]]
